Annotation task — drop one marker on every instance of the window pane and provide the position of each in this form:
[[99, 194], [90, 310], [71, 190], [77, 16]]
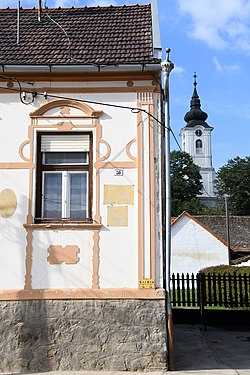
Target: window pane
[[52, 195], [66, 158], [78, 195]]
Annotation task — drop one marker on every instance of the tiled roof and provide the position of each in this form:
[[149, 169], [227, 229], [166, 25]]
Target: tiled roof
[[241, 260], [87, 35], [239, 229]]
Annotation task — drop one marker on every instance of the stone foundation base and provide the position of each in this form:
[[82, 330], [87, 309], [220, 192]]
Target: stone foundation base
[[75, 335]]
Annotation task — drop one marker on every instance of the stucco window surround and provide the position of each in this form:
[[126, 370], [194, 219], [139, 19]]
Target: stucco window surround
[[61, 118], [64, 177]]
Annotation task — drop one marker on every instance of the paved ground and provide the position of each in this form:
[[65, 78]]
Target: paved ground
[[198, 352], [214, 351]]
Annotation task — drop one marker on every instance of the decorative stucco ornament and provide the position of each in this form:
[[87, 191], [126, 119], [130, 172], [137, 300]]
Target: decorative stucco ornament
[[8, 203]]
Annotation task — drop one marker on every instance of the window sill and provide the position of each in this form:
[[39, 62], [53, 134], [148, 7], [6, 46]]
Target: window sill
[[64, 226]]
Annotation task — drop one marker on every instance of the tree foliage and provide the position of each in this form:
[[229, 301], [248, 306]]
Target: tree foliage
[[186, 183], [233, 179]]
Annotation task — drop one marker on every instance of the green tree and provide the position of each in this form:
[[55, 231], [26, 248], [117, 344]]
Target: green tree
[[233, 179], [186, 184]]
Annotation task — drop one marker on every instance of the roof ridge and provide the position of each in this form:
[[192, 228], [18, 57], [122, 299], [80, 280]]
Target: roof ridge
[[82, 7]]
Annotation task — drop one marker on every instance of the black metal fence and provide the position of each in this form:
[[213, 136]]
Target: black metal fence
[[210, 290]]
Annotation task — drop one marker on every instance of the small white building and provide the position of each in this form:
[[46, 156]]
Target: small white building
[[194, 246]]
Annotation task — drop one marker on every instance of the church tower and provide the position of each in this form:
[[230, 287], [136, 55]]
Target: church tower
[[196, 141]]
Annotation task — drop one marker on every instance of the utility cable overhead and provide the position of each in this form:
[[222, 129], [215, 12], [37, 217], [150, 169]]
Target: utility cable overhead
[[45, 94]]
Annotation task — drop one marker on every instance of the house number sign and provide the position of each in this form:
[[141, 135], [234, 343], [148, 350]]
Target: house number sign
[[118, 172], [147, 284]]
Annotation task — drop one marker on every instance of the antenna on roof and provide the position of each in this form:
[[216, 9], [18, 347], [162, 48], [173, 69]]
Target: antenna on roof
[[39, 9], [18, 23]]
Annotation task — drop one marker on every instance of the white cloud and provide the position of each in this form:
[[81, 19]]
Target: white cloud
[[227, 68], [178, 69], [13, 3], [218, 66], [101, 3], [219, 23]]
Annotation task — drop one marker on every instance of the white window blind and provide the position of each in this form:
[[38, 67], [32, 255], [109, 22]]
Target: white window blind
[[60, 143]]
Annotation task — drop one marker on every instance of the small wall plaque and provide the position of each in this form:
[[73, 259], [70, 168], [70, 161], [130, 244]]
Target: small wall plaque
[[147, 284], [118, 194], [118, 172]]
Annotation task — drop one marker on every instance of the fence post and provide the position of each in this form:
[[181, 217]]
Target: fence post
[[202, 281]]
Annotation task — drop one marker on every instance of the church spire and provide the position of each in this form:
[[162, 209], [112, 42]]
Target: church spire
[[195, 116]]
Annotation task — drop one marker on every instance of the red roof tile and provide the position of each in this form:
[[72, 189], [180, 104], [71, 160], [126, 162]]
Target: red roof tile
[[87, 35]]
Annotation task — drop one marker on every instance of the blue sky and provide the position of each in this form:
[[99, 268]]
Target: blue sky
[[212, 38]]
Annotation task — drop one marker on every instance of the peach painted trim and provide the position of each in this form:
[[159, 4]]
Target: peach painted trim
[[63, 226], [98, 126], [152, 193], [23, 144], [95, 261], [29, 226], [88, 90], [65, 126], [59, 254], [29, 219], [116, 164], [65, 103], [203, 226], [108, 152], [63, 117], [140, 197], [128, 150], [58, 294], [28, 261], [16, 165], [55, 126]]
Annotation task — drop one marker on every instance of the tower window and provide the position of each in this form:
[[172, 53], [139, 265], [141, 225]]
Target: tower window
[[198, 145]]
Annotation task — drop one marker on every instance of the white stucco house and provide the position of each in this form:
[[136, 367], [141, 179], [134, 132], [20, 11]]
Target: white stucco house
[[81, 271], [194, 246]]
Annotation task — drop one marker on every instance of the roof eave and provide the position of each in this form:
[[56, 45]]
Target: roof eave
[[81, 68]]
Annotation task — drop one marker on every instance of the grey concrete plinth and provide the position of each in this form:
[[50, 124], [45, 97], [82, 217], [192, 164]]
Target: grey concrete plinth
[[83, 335]]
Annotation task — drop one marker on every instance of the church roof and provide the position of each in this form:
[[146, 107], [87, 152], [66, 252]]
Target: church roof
[[85, 35], [195, 116]]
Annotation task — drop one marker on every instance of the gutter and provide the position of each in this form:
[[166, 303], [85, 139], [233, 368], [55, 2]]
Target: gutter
[[80, 68]]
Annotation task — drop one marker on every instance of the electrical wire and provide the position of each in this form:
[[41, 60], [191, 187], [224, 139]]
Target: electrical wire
[[66, 34], [132, 109]]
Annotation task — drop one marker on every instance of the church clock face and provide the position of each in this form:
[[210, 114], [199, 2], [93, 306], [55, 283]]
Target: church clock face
[[198, 132]]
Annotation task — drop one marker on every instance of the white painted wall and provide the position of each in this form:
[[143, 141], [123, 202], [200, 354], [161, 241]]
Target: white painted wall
[[118, 245], [45, 275], [118, 254], [194, 248], [12, 232]]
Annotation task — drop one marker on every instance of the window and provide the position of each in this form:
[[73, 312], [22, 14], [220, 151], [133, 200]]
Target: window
[[64, 177], [198, 145]]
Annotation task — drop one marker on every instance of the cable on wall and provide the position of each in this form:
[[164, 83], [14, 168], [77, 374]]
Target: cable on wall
[[46, 95]]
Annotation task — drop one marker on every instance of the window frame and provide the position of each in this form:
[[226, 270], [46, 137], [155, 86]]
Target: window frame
[[42, 167]]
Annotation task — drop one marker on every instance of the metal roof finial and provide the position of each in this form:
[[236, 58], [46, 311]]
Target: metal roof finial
[[195, 76]]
